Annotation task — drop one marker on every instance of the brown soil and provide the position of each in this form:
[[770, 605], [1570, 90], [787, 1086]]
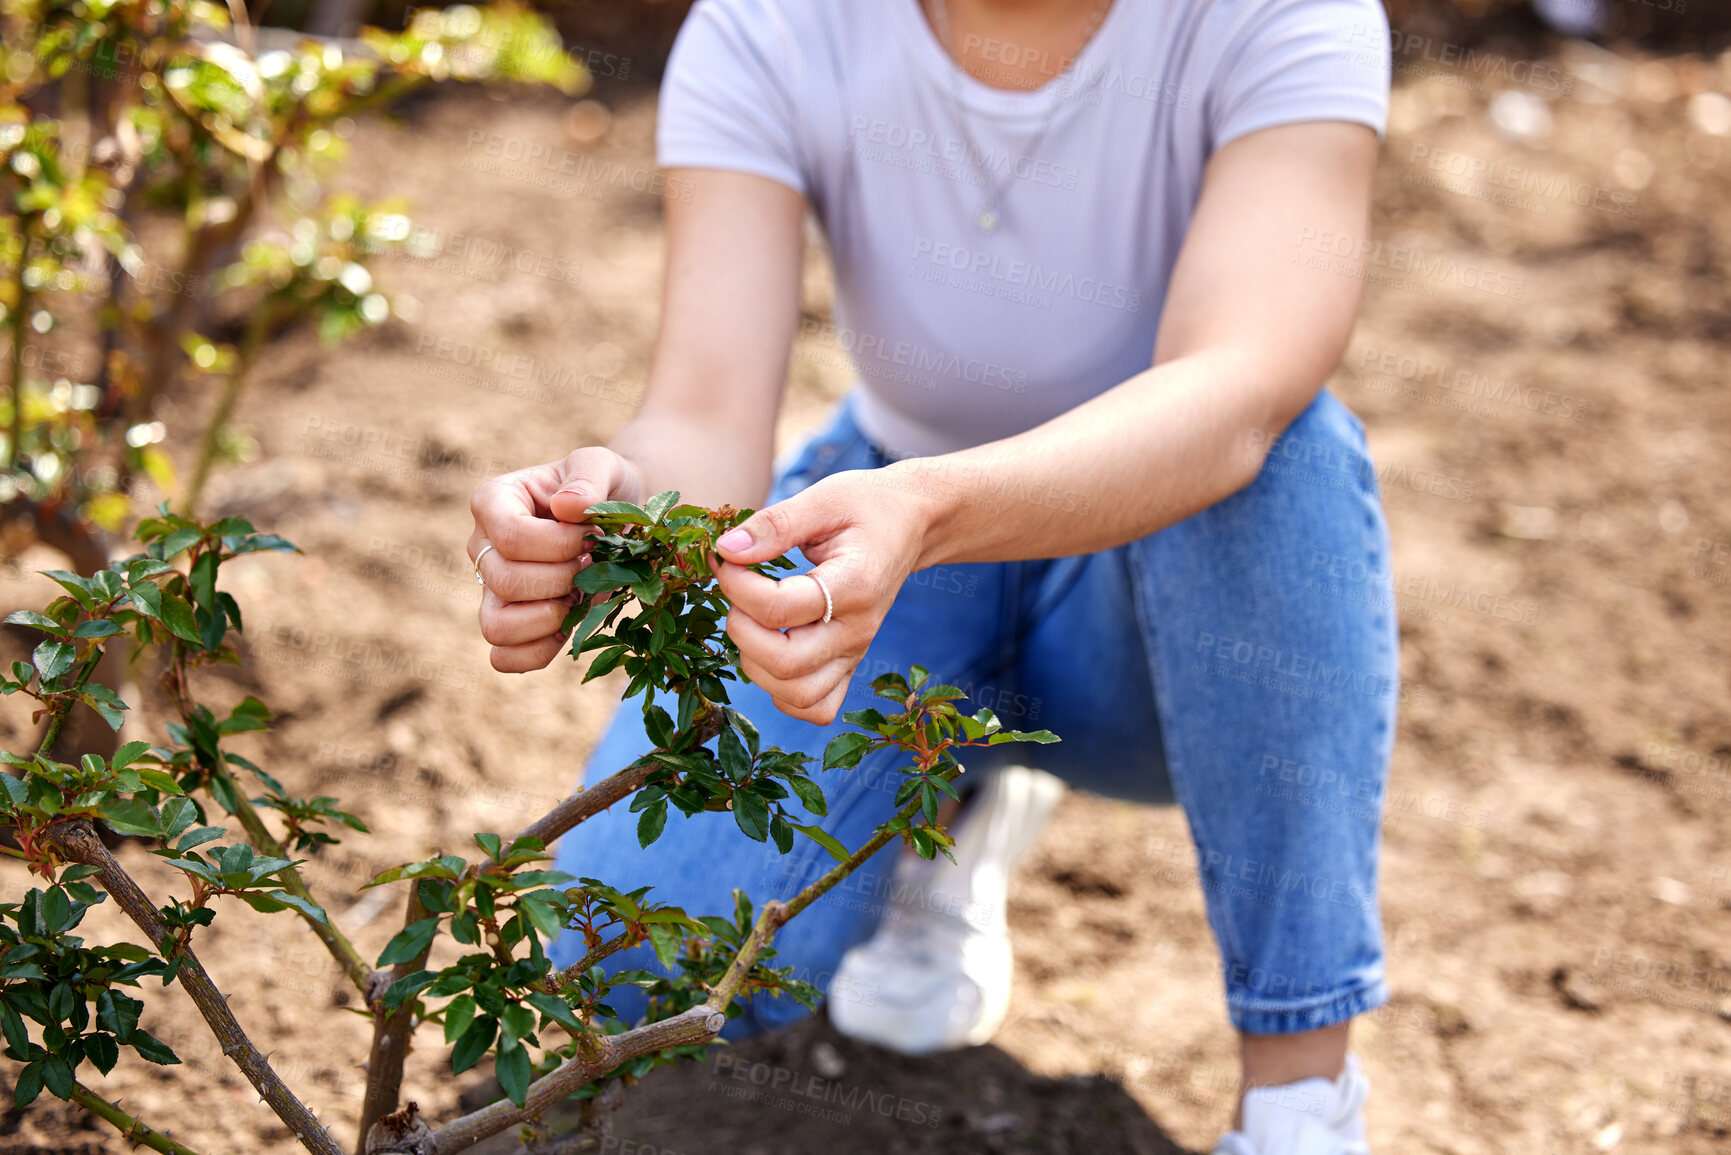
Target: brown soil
[[1558, 865]]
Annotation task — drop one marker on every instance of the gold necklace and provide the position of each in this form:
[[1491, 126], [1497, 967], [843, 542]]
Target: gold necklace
[[990, 213]]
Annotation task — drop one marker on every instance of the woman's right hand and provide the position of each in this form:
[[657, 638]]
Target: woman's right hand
[[533, 521]]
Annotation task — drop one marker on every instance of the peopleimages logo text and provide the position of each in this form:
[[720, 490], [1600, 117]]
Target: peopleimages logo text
[[979, 264]]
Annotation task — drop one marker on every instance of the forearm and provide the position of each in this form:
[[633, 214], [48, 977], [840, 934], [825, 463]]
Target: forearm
[[1157, 448], [686, 452]]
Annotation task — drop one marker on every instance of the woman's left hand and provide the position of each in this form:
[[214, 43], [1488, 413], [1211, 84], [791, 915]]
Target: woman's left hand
[[863, 530]]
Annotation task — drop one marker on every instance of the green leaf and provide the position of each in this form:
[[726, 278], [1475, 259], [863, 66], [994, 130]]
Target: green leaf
[[311, 909], [147, 596], [202, 579], [459, 1013], [591, 622], [744, 728], [36, 621], [178, 541], [651, 822], [606, 661], [408, 987], [845, 750], [657, 506], [554, 1008], [178, 617], [892, 686], [810, 795], [97, 628], [735, 762], [513, 1071], [102, 1050], [621, 511], [118, 1013], [131, 816], [602, 576], [153, 1049], [57, 1076], [53, 659], [177, 815], [1043, 737], [659, 727], [751, 812], [128, 754], [29, 1084], [198, 836], [934, 694], [665, 940], [17, 1038], [409, 942], [489, 843], [473, 1043], [517, 1021], [782, 832]]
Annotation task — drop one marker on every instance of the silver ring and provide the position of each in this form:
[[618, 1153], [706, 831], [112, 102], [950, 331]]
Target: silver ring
[[479, 580], [828, 602]]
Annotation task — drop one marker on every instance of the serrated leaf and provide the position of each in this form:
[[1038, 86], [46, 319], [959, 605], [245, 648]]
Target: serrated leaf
[[407, 988], [473, 1043], [409, 942], [554, 1008], [751, 813], [179, 619], [810, 795], [36, 620], [845, 750], [198, 836], [153, 1049], [664, 939], [513, 1071], [128, 754], [459, 1013], [651, 822], [53, 659], [131, 816]]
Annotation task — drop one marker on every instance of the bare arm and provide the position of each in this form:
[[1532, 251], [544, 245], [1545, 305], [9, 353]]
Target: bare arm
[[729, 310], [1246, 341], [730, 302]]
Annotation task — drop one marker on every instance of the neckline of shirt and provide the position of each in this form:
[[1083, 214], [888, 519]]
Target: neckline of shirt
[[1010, 103]]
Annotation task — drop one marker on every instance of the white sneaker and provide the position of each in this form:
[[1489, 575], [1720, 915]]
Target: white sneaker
[[1309, 1117], [939, 965]]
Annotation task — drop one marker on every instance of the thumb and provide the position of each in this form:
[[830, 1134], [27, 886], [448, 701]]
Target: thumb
[[571, 504], [775, 530], [590, 475]]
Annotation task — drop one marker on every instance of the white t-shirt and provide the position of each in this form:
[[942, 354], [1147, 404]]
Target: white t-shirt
[[962, 336]]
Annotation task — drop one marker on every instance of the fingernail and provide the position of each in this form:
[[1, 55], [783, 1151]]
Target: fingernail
[[734, 541]]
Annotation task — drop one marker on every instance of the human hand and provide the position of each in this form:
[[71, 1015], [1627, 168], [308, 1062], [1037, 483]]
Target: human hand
[[864, 537], [530, 540]]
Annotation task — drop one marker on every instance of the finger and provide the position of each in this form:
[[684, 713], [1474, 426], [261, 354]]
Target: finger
[[801, 693], [591, 475], [808, 516], [528, 581], [822, 713], [785, 657], [516, 623], [792, 601], [506, 517], [530, 656]]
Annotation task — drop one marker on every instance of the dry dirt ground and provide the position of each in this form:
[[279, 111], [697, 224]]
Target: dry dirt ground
[[1558, 852]]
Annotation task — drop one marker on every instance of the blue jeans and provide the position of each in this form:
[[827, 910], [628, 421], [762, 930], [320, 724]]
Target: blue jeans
[[1241, 663]]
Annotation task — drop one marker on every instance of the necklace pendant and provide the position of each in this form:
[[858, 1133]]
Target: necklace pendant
[[987, 219]]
